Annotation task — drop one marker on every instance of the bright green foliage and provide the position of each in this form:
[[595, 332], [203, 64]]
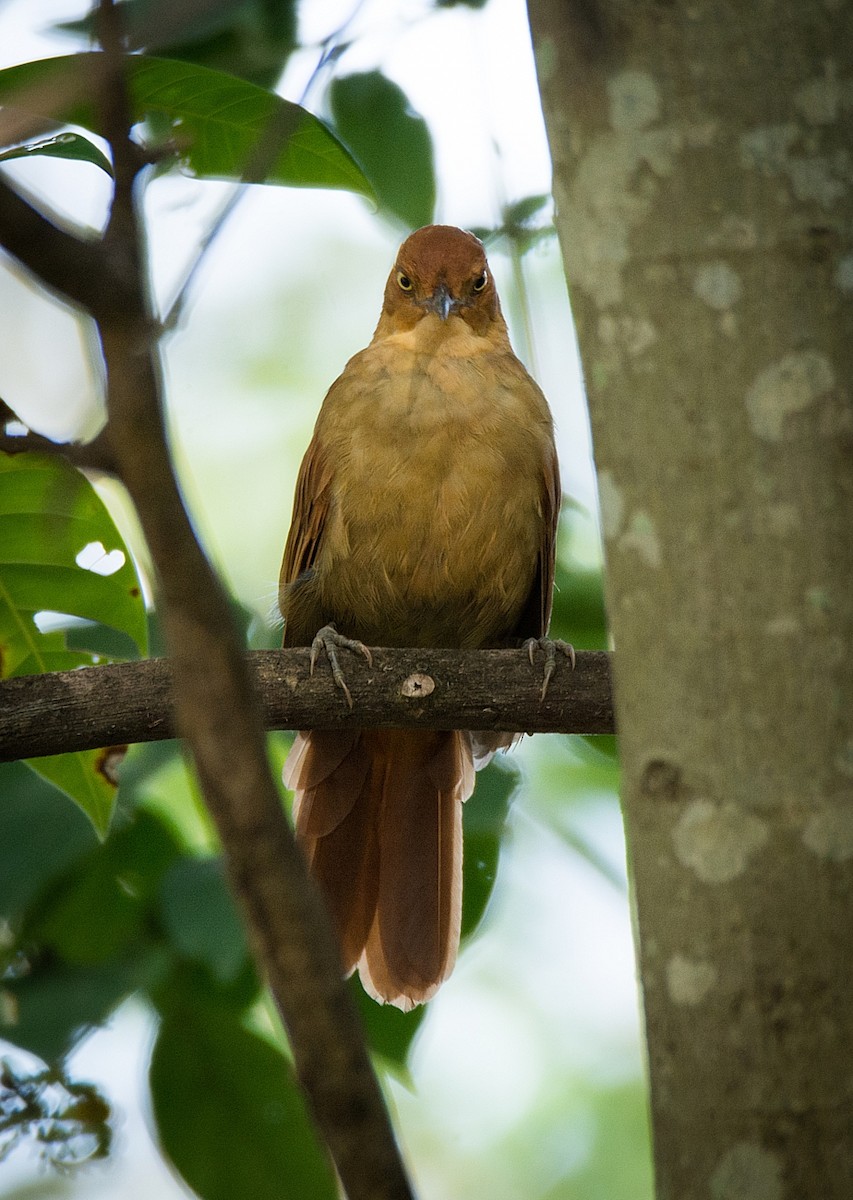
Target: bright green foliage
[[93, 923], [229, 1113], [65, 145], [90, 924], [49, 516], [391, 142], [216, 125], [87, 776]]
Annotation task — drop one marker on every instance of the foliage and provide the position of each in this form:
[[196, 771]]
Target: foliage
[[374, 118], [214, 125], [145, 911], [61, 553], [218, 1088], [249, 38], [64, 145]]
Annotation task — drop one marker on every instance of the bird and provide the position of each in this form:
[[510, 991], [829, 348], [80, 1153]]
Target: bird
[[425, 514]]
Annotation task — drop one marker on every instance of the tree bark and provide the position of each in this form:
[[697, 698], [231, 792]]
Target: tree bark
[[703, 185]]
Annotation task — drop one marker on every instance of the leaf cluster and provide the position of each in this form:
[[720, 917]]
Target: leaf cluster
[[147, 912]]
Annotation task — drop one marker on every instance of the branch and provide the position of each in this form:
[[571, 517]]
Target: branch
[[428, 689], [96, 455], [66, 264]]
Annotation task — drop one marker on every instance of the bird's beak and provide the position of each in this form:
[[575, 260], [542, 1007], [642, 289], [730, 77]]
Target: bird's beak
[[441, 302]]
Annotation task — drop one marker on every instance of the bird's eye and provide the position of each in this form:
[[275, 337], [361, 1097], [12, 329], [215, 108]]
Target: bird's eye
[[480, 282], [404, 281]]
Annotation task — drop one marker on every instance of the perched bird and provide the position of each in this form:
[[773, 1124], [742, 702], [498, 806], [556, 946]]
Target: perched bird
[[425, 515]]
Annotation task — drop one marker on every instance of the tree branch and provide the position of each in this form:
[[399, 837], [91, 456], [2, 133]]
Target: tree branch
[[429, 689], [96, 455], [61, 261]]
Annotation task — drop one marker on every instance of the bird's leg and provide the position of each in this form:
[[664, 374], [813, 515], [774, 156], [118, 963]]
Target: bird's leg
[[330, 640], [549, 648]]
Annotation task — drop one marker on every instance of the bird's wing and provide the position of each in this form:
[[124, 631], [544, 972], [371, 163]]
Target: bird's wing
[[536, 613], [310, 510]]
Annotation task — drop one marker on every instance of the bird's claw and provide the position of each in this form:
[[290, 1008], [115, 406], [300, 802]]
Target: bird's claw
[[329, 639], [549, 648]]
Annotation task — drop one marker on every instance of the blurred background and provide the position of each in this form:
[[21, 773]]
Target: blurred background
[[524, 1080]]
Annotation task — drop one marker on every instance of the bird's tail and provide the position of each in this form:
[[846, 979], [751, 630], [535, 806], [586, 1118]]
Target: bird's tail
[[379, 818]]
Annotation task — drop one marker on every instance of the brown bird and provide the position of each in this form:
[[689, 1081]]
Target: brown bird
[[425, 515]]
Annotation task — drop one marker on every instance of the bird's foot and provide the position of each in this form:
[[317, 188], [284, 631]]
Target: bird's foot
[[330, 640], [550, 649]]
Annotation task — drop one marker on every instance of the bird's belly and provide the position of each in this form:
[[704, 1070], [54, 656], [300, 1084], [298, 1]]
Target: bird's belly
[[437, 547]]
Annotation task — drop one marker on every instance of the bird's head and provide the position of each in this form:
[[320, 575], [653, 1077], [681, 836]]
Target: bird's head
[[443, 271]]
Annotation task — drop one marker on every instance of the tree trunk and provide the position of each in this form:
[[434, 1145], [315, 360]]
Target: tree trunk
[[703, 170]]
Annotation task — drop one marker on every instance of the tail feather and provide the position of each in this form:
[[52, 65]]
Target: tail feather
[[382, 829], [420, 882], [327, 772], [330, 774], [345, 864], [376, 977]]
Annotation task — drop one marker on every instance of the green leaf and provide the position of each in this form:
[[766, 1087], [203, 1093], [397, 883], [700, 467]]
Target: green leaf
[[88, 777], [249, 38], [522, 212], [389, 1031], [392, 143], [63, 145], [51, 516], [252, 39], [40, 837], [47, 1010], [168, 786], [183, 984], [111, 645], [103, 906], [483, 820], [214, 124], [230, 1114], [201, 919]]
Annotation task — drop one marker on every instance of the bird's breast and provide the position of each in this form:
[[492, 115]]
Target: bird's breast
[[435, 521]]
